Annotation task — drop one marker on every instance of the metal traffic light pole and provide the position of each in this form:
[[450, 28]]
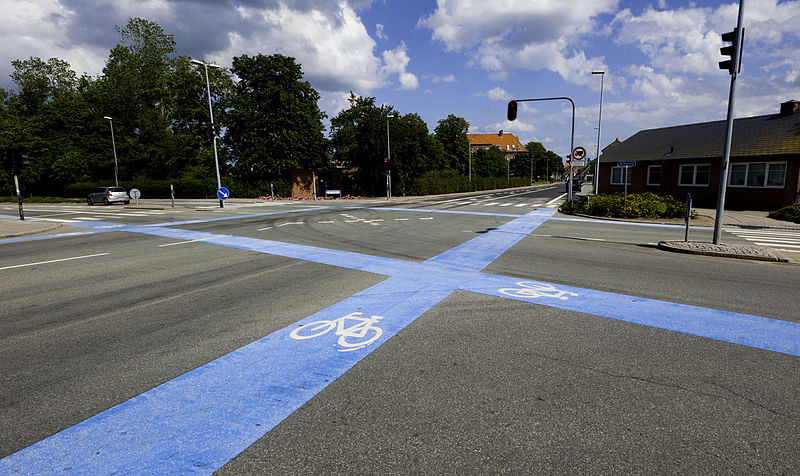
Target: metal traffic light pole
[[512, 115], [732, 65]]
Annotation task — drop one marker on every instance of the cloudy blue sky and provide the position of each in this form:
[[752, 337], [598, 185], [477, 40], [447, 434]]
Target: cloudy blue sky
[[463, 57]]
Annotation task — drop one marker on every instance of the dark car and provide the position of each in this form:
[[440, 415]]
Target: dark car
[[577, 183], [108, 195]]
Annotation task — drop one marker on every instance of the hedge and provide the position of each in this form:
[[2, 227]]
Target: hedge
[[437, 184], [790, 213], [638, 205]]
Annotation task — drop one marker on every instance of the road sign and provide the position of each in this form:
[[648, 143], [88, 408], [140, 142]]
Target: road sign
[[223, 193], [626, 164], [578, 153], [135, 193]]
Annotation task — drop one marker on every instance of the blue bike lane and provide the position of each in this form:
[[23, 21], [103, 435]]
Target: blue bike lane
[[201, 420]]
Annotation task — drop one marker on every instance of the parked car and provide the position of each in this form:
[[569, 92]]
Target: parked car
[[577, 183], [108, 195]]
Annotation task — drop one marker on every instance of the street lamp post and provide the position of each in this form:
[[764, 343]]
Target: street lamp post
[[599, 122], [207, 65], [114, 146], [388, 160], [469, 148]]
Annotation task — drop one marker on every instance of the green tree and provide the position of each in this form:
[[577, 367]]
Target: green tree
[[132, 91], [414, 151], [190, 143], [358, 139], [274, 123], [452, 133], [489, 163], [544, 161], [40, 81]]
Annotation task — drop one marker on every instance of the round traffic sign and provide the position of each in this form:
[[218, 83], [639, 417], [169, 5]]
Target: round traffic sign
[[223, 193], [135, 193], [578, 153]]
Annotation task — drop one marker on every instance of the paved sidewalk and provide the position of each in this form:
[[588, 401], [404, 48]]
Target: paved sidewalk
[[747, 219]]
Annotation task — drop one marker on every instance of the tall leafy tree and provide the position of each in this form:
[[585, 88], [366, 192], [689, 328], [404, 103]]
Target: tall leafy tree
[[489, 163], [40, 81], [274, 123], [544, 161], [452, 133], [132, 91], [358, 140], [191, 140], [414, 151]]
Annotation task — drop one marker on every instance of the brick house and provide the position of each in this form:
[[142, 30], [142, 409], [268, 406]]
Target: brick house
[[764, 161], [508, 143]]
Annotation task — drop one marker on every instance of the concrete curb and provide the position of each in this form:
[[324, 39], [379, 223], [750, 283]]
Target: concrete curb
[[10, 228], [750, 252]]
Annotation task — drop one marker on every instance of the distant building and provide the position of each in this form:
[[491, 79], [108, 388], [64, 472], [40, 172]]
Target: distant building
[[508, 143], [764, 161]]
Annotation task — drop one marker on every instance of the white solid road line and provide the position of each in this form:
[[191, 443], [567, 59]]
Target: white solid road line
[[52, 261]]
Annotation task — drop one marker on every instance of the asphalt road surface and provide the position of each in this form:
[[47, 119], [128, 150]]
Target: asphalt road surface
[[482, 333]]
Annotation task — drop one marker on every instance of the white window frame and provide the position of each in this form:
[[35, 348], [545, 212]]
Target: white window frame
[[766, 175], [623, 175], [694, 175], [660, 175]]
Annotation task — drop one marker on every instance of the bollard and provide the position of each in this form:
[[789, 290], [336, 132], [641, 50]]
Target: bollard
[[688, 215], [19, 198], [172, 194]]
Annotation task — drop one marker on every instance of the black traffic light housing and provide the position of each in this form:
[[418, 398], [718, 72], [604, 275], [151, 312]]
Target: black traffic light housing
[[734, 63], [512, 110]]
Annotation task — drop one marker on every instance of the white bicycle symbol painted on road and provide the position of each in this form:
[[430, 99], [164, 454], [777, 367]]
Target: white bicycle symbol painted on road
[[533, 289], [356, 336]]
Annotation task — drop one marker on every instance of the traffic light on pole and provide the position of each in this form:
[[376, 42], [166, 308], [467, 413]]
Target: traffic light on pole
[[732, 64], [512, 110]]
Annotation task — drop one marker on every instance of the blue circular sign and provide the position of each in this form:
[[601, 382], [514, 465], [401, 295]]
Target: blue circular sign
[[223, 193]]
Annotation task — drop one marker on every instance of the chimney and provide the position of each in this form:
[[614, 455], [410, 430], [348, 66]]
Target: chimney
[[790, 107]]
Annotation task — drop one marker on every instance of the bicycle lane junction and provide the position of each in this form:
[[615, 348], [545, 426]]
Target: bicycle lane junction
[[202, 419]]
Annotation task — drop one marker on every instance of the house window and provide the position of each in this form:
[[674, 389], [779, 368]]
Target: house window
[[619, 175], [694, 175], [758, 175], [654, 175]]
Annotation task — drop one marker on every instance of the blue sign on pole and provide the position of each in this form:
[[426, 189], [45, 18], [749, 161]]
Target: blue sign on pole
[[626, 164], [223, 193]]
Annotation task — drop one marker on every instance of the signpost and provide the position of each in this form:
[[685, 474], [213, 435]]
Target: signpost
[[135, 195], [627, 166]]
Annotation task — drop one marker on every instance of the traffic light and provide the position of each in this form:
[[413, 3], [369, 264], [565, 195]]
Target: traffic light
[[512, 110], [734, 63]]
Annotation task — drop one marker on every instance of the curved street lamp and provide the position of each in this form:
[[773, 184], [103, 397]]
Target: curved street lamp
[[207, 65]]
